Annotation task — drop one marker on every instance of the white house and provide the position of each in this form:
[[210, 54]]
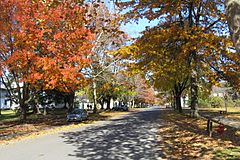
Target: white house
[[5, 103]]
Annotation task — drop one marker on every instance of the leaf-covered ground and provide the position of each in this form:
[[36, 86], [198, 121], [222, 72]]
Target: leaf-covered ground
[[38, 125], [186, 138]]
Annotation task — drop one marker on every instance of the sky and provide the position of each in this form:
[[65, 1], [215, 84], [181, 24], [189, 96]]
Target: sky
[[133, 29]]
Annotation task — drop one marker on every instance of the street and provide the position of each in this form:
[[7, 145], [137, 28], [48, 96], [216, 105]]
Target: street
[[131, 137]]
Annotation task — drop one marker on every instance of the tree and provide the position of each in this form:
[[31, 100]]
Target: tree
[[144, 92], [44, 46], [109, 37], [166, 60], [233, 17], [197, 29], [232, 8]]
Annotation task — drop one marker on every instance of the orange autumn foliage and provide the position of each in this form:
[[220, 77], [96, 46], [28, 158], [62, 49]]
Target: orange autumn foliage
[[45, 43]]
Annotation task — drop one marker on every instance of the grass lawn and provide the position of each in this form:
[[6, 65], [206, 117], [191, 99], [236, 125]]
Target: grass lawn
[[232, 153], [229, 109], [186, 138], [8, 115]]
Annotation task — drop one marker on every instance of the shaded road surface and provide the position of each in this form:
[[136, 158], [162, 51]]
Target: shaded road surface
[[131, 137]]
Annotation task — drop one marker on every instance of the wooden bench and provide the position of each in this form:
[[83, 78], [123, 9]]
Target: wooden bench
[[221, 121]]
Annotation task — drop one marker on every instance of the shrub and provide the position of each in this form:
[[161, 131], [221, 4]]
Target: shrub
[[230, 103], [237, 103], [204, 103], [216, 102]]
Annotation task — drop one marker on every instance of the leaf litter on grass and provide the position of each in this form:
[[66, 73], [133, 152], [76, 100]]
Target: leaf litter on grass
[[16, 131], [184, 137]]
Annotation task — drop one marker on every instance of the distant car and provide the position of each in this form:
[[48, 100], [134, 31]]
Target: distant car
[[121, 108], [77, 115]]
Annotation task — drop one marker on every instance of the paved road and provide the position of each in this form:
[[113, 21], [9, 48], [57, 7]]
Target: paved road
[[131, 137]]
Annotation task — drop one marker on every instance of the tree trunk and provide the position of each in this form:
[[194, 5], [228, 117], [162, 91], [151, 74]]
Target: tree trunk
[[44, 110], [65, 103], [178, 103], [233, 18], [94, 96], [177, 96], [108, 103], [71, 101], [72, 97], [36, 109], [102, 104], [194, 97], [23, 108], [24, 97]]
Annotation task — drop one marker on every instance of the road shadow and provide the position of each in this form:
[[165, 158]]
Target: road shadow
[[131, 137], [37, 123]]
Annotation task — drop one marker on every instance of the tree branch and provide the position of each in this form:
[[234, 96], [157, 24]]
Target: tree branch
[[211, 25]]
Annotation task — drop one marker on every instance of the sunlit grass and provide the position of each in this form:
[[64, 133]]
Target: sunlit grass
[[136, 109], [232, 153], [8, 115], [229, 109]]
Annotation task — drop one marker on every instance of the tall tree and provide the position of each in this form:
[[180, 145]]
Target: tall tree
[[44, 46], [232, 8], [233, 17], [105, 24]]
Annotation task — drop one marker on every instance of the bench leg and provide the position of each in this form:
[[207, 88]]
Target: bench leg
[[209, 128]]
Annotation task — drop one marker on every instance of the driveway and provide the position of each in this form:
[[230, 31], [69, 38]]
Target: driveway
[[131, 137]]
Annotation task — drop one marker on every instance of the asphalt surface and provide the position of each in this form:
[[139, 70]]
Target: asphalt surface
[[131, 137]]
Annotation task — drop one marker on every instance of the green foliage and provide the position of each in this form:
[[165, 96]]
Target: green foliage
[[216, 102], [7, 115], [230, 103], [237, 103], [80, 93], [204, 103], [229, 153]]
